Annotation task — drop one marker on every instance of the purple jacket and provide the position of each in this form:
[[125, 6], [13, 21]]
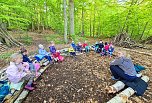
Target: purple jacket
[[52, 49], [16, 72]]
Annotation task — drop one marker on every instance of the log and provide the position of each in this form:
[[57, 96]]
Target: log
[[149, 54], [3, 74], [14, 96], [124, 95]]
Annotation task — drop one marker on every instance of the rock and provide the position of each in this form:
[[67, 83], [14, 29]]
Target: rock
[[44, 101]]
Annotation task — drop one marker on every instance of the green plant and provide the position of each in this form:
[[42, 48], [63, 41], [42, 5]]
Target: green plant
[[58, 39], [26, 39]]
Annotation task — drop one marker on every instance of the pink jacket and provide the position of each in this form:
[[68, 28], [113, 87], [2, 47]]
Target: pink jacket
[[16, 72], [106, 47]]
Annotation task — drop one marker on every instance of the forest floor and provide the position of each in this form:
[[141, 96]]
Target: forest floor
[[81, 80]]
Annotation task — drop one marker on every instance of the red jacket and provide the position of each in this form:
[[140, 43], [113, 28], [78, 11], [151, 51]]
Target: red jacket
[[84, 45]]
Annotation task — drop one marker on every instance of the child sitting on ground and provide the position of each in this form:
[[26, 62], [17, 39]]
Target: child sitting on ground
[[86, 47], [79, 47], [71, 51], [101, 46], [17, 71], [43, 54], [111, 50], [74, 46], [97, 47], [105, 49], [56, 55], [34, 67]]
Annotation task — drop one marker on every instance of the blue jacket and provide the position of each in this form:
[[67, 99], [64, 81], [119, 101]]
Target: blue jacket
[[111, 49], [26, 59], [73, 45], [43, 52]]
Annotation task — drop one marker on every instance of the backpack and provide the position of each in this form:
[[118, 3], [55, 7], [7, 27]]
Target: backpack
[[4, 89]]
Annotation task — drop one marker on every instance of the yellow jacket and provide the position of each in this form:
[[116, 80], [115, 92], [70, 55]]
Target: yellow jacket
[[71, 50]]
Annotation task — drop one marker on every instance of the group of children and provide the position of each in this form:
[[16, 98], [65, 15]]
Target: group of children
[[104, 48], [22, 68], [51, 56], [78, 48]]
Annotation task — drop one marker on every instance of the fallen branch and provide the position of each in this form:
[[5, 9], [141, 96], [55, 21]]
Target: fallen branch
[[138, 52]]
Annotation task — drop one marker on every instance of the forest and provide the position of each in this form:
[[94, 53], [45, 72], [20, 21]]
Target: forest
[[69, 48]]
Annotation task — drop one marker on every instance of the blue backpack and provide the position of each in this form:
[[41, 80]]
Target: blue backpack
[[138, 68], [4, 89]]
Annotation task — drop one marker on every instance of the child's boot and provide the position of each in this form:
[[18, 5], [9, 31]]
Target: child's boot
[[29, 87]]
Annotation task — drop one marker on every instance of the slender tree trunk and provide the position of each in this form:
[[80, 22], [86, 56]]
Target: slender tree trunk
[[65, 22], [38, 22], [71, 2], [99, 25], [142, 34], [46, 14], [82, 21], [132, 32], [127, 29], [90, 25], [94, 22], [149, 31], [129, 12], [138, 25]]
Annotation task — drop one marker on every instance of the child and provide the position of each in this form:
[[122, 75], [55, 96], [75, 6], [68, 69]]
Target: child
[[103, 52], [101, 45], [106, 47], [111, 50], [55, 54], [43, 54], [72, 51], [97, 47], [85, 45], [17, 71], [79, 47], [33, 67], [110, 44], [73, 46]]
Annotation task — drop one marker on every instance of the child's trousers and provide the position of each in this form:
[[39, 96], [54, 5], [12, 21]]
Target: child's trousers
[[29, 78]]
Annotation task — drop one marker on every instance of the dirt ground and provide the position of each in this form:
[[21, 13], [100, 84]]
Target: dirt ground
[[82, 80]]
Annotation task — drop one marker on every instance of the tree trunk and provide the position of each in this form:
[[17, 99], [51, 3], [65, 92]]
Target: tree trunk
[[90, 26], [82, 21], [99, 25], [131, 32], [143, 30], [94, 22], [71, 2], [65, 22], [127, 17]]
